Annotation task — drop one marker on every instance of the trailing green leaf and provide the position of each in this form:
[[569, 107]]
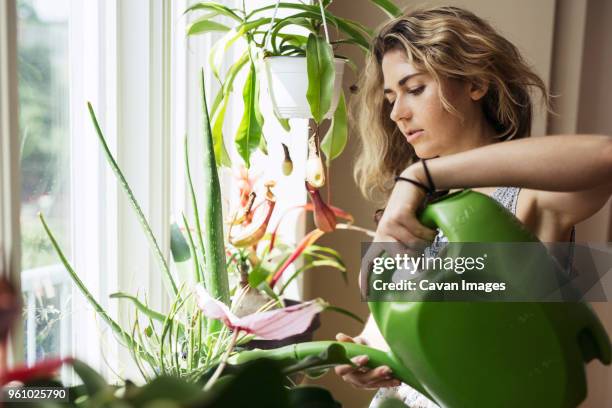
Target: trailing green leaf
[[160, 317], [263, 145], [335, 140], [123, 336], [218, 50], [221, 155], [217, 7], [388, 7], [206, 25], [223, 97], [353, 29], [249, 132], [167, 275], [321, 76], [298, 20]]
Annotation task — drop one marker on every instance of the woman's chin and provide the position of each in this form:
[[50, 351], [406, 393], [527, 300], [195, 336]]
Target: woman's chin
[[423, 152]]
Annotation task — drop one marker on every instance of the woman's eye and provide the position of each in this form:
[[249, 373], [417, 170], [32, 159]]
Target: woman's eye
[[416, 91]]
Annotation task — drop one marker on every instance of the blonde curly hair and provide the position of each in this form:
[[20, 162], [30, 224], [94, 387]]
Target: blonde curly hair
[[447, 43]]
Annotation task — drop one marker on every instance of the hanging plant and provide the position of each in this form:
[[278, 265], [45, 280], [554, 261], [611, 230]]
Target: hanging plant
[[303, 72]]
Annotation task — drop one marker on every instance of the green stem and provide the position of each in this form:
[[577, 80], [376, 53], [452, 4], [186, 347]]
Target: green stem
[[221, 366], [194, 203]]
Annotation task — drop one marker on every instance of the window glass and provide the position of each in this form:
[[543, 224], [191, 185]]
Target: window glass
[[45, 171]]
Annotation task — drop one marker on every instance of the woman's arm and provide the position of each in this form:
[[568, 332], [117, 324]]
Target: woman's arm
[[572, 174]]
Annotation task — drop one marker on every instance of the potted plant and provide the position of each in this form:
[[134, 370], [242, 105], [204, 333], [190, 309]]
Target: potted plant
[[184, 341], [304, 73]]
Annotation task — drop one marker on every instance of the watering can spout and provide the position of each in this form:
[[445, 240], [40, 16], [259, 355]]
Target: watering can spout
[[327, 354]]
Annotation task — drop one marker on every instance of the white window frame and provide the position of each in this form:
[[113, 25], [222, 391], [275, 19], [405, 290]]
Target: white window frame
[[10, 254]]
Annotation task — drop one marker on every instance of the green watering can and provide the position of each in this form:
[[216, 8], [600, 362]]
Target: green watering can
[[479, 354]]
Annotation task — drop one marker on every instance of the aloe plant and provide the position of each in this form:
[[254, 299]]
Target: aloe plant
[[266, 37], [183, 330]]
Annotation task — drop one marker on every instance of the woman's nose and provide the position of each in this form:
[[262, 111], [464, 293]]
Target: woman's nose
[[400, 110]]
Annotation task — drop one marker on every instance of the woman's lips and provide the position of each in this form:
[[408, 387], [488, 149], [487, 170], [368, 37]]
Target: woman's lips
[[411, 137]]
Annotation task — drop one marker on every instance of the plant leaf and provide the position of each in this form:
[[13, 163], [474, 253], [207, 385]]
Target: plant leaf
[[215, 273], [353, 29], [196, 213], [93, 382], [160, 317], [389, 7], [216, 7], [345, 312], [263, 145], [221, 155], [335, 140], [356, 32], [123, 336], [273, 324], [205, 25], [169, 280], [249, 132], [178, 244], [321, 76]]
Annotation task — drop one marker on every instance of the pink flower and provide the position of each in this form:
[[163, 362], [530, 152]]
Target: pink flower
[[270, 325]]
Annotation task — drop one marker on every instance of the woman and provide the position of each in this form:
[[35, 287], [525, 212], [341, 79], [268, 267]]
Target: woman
[[441, 84]]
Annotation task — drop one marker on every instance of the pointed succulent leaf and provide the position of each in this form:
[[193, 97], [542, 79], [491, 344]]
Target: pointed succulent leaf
[[178, 244]]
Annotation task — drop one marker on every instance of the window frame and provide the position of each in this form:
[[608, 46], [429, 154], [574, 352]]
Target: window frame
[[10, 248]]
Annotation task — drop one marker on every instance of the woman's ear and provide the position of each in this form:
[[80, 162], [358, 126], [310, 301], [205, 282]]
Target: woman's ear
[[478, 90]]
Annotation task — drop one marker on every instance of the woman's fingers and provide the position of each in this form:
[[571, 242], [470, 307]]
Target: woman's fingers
[[371, 378], [359, 361], [348, 339], [411, 230], [345, 338], [361, 376]]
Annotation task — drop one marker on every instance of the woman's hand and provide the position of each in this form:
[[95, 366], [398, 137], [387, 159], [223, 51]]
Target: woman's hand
[[399, 223], [361, 376]]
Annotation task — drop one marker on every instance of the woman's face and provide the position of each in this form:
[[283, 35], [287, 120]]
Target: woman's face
[[418, 111]]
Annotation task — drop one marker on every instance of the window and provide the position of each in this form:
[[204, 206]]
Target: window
[[134, 63]]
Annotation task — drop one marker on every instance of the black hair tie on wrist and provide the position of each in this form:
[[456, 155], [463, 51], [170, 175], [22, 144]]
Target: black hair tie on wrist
[[422, 186], [432, 186]]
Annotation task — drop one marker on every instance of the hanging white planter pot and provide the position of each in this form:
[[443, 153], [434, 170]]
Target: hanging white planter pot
[[288, 82]]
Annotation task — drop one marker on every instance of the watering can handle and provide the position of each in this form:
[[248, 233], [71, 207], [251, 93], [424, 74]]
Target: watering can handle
[[297, 352]]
